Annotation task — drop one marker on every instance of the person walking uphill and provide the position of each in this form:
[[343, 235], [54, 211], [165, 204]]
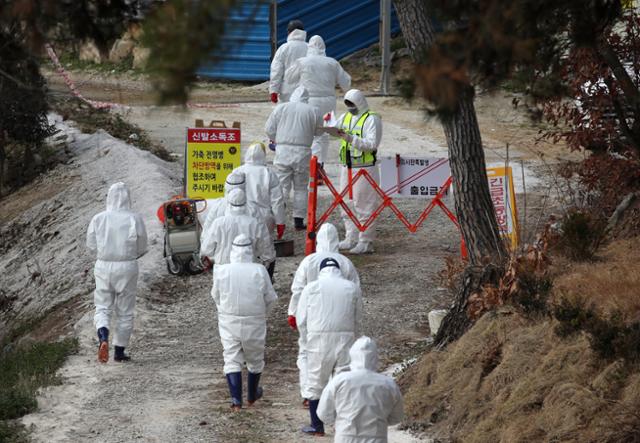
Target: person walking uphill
[[217, 207], [265, 201], [361, 402], [289, 52], [118, 237], [293, 125], [361, 132], [243, 295], [320, 75], [328, 316], [307, 272], [218, 238]]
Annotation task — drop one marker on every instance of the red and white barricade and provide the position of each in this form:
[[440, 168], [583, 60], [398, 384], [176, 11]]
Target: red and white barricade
[[317, 174]]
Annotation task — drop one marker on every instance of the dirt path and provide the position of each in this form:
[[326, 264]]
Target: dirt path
[[175, 389]]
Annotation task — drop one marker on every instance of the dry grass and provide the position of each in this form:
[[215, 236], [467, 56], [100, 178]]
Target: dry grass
[[511, 379], [611, 284]]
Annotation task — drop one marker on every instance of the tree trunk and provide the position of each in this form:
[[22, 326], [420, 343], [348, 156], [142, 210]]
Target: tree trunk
[[457, 321], [466, 156], [474, 207]]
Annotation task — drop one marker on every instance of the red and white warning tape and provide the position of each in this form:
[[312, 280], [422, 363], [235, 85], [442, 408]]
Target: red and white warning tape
[[212, 106], [72, 86], [107, 105]]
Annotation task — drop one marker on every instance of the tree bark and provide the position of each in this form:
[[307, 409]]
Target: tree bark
[[466, 156], [457, 321]]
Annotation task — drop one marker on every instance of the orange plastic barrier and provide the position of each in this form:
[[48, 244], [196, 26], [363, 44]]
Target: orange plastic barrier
[[314, 222]]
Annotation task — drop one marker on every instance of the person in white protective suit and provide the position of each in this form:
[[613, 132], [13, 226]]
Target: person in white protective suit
[[361, 132], [307, 272], [118, 237], [361, 402], [216, 241], [287, 53], [293, 125], [328, 315], [320, 75], [262, 187], [217, 207], [243, 295]]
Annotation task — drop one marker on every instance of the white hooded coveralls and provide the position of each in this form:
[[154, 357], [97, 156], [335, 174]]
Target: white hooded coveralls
[[320, 75], [326, 246], [262, 187], [218, 207], [328, 316], [361, 402], [293, 125], [243, 295], [118, 237], [287, 53], [365, 199], [218, 238]]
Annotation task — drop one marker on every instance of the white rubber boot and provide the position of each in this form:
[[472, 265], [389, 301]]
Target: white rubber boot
[[362, 248]]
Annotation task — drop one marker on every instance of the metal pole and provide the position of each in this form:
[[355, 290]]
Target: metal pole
[[385, 46], [273, 19]]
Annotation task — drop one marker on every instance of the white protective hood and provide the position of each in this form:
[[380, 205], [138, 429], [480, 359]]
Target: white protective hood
[[356, 97], [300, 95], [237, 202], [241, 250], [297, 35], [118, 198], [327, 239], [364, 354], [235, 180], [255, 155], [330, 272], [316, 46]]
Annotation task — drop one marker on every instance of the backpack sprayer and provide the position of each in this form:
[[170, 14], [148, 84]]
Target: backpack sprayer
[[182, 230]]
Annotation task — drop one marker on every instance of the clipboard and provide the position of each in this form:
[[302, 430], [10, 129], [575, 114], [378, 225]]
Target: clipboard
[[333, 131]]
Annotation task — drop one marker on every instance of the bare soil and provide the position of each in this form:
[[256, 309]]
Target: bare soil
[[174, 390]]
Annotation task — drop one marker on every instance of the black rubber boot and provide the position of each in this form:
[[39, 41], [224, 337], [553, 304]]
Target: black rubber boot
[[298, 224], [103, 347], [271, 269], [254, 391], [120, 356], [234, 380], [316, 427]]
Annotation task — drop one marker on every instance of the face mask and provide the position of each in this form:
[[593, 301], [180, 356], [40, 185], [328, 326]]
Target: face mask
[[353, 111]]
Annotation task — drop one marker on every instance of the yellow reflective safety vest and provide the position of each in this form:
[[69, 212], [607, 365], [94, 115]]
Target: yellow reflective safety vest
[[358, 158]]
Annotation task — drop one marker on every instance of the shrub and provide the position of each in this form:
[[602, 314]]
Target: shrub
[[23, 114], [572, 313], [609, 336], [534, 293], [581, 235]]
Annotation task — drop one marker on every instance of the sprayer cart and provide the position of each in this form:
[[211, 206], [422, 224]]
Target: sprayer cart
[[182, 232]]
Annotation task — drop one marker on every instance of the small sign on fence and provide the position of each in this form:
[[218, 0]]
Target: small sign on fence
[[412, 176]]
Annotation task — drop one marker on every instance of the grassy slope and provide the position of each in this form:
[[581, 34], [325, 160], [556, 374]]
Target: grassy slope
[[512, 379], [24, 368]]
